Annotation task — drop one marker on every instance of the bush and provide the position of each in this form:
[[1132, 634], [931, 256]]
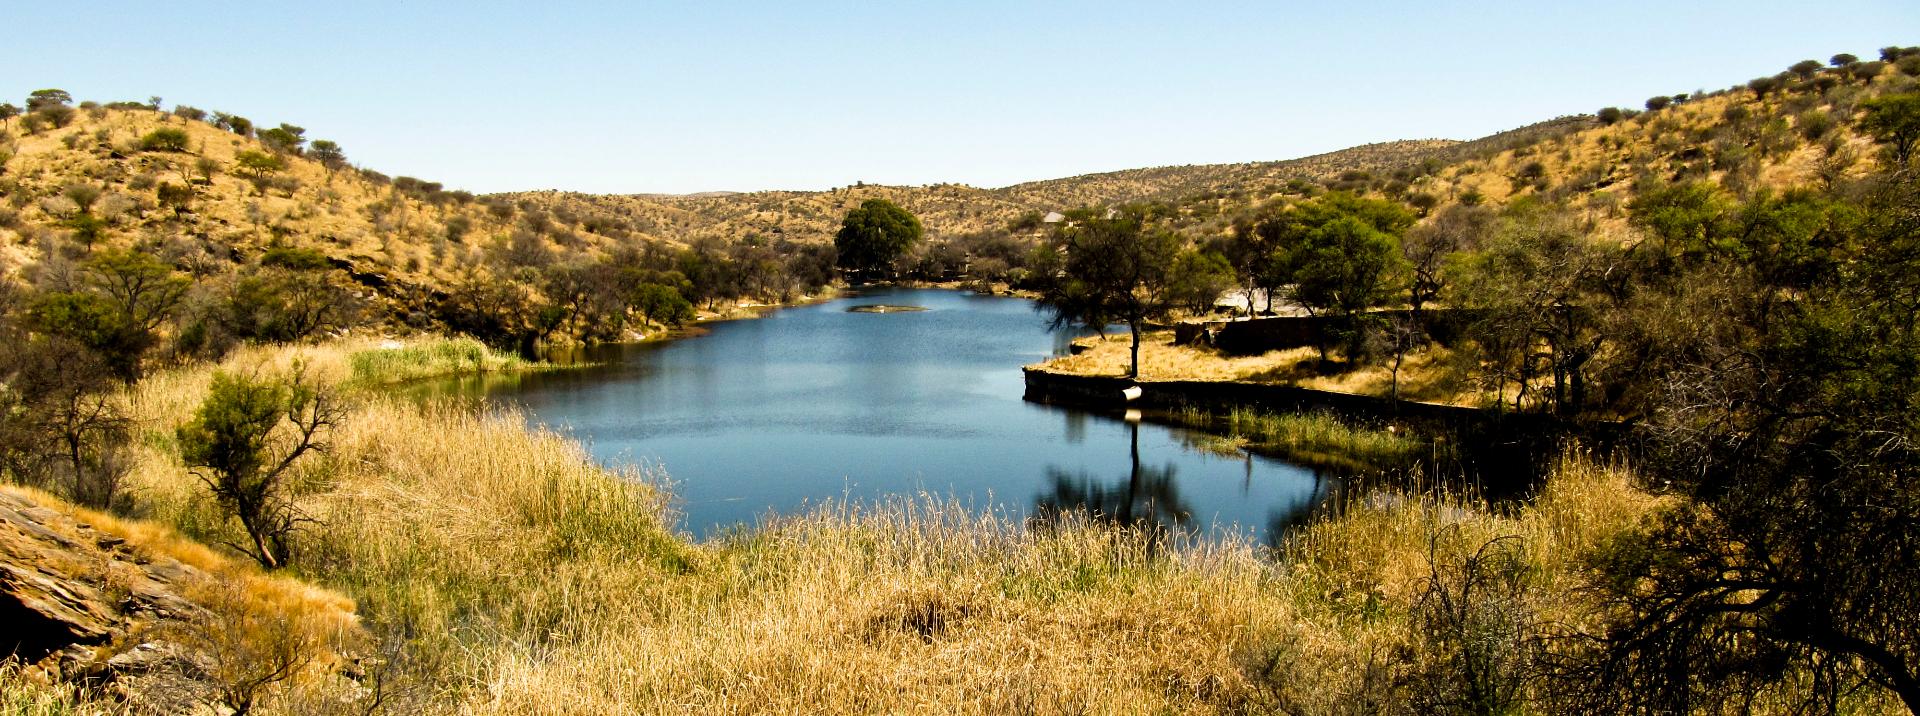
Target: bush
[[1815, 124], [1655, 104], [295, 258], [242, 444], [165, 139], [1608, 115], [178, 197]]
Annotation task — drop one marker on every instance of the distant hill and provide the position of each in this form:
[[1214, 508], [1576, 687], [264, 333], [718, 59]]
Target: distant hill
[[193, 201]]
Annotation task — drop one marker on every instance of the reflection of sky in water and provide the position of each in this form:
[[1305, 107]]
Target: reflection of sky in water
[[818, 403]]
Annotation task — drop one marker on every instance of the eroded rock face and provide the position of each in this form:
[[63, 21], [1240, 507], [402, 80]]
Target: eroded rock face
[[78, 603]]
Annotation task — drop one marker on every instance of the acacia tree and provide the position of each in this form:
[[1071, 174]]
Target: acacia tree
[[1786, 572], [1533, 289], [45, 98], [1895, 121], [120, 301], [1106, 269], [328, 153], [875, 234], [284, 139], [1428, 246], [243, 443]]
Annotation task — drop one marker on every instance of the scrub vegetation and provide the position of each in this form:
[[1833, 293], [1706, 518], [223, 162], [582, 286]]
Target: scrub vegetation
[[1732, 273]]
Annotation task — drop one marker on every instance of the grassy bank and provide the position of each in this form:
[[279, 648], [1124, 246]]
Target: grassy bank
[[503, 571], [1425, 376], [1318, 438]]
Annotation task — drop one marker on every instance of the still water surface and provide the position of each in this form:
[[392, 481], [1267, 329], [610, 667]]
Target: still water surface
[[817, 403]]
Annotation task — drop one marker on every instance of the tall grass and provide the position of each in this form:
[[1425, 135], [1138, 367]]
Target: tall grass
[[430, 358], [1317, 437], [507, 572]]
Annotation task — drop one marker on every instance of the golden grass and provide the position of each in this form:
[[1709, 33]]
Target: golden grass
[[514, 575], [1425, 375], [24, 693]]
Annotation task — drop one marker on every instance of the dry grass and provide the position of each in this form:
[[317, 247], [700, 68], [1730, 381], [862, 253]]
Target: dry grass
[[510, 574], [1426, 375]]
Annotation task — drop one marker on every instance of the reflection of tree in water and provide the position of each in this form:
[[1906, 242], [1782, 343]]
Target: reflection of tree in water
[[1148, 497], [1303, 512]]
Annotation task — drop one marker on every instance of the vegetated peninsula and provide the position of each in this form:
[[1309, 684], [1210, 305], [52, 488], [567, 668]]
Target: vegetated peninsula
[[218, 500]]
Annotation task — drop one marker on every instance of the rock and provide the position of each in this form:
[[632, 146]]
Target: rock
[[72, 597]]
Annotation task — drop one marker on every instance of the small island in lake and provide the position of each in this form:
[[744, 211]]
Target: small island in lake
[[883, 308]]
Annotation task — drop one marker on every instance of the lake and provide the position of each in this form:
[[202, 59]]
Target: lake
[[817, 403]]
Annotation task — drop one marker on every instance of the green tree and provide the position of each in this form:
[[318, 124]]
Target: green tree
[[1658, 102], [1786, 570], [1805, 69], [1110, 269], [1609, 115], [1197, 279], [1342, 255], [284, 139], [660, 304], [44, 98], [7, 112], [1533, 288], [244, 441], [875, 234], [279, 304], [1843, 59], [329, 155], [1894, 120], [122, 298], [258, 167], [257, 164], [178, 197]]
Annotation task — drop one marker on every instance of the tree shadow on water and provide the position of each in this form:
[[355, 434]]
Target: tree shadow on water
[[1148, 498]]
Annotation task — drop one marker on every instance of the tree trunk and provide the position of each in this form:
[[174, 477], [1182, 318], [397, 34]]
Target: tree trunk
[[1134, 371]]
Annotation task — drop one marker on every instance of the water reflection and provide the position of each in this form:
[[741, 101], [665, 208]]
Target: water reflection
[[1149, 497], [817, 403]]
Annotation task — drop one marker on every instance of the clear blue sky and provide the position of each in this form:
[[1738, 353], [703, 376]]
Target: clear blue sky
[[681, 97]]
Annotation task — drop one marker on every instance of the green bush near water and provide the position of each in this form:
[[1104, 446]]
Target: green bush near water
[[431, 359]]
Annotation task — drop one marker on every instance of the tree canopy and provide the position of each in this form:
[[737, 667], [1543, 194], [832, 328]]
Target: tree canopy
[[875, 234]]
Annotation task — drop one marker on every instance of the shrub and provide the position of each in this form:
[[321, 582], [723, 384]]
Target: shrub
[[242, 443], [165, 139], [178, 197], [1815, 124], [1657, 103], [296, 258], [1608, 115]]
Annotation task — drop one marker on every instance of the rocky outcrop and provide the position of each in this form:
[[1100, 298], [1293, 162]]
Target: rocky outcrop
[[84, 604], [79, 602]]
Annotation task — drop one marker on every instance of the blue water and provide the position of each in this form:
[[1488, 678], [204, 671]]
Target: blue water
[[817, 403]]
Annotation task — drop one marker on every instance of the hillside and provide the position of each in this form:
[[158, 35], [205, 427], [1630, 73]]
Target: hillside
[[519, 269]]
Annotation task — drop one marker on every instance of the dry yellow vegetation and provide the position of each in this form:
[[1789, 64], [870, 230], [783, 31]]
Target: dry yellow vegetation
[[509, 573], [1425, 375]]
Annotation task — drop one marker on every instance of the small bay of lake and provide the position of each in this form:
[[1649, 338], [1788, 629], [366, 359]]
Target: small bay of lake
[[818, 403]]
